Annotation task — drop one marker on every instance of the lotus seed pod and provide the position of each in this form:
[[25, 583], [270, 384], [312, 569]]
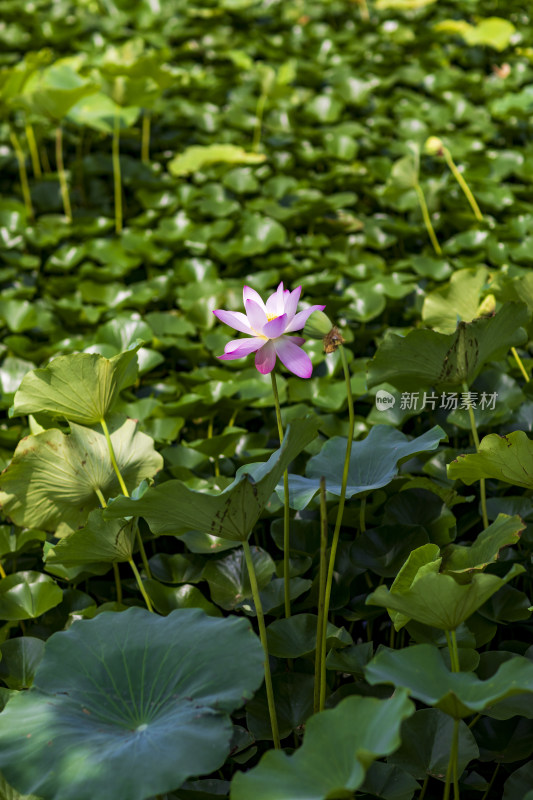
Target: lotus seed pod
[[317, 326]]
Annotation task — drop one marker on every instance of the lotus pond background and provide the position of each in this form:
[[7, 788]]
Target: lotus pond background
[[154, 159]]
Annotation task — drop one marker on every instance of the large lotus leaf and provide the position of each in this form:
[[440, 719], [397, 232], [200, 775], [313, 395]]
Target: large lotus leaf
[[374, 462], [335, 755], [54, 90], [129, 705], [458, 300], [419, 562], [426, 744], [196, 158], [505, 458], [81, 387], [27, 595], [492, 31], [99, 541], [439, 600], [421, 670], [53, 477], [173, 508], [502, 532], [19, 660], [98, 111], [428, 358]]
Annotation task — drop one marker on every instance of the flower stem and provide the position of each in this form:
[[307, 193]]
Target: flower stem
[[489, 787], [2, 571], [140, 585], [451, 639], [476, 443], [63, 185], [125, 492], [116, 572], [427, 219], [452, 765], [145, 138], [338, 522], [23, 175], [423, 789], [34, 150], [286, 507], [520, 364], [117, 182], [462, 183], [263, 637], [321, 592], [259, 112]]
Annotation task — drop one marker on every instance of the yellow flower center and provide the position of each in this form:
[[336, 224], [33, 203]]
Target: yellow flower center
[[270, 317]]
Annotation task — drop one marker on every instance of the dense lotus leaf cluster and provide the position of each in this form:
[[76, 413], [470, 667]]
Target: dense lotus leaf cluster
[[373, 158]]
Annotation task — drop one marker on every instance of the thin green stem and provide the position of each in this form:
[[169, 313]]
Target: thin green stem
[[101, 497], [116, 572], [486, 793], [262, 635], [427, 219], [462, 183], [145, 138], [140, 585], [451, 772], [520, 364], [2, 571], [118, 584], [117, 180], [34, 150], [63, 185], [125, 492], [23, 175], [338, 522], [321, 593], [362, 521], [259, 113], [455, 651], [475, 437], [286, 507], [423, 789], [46, 161], [476, 719]]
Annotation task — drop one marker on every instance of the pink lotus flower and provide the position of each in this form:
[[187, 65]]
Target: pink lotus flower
[[267, 324]]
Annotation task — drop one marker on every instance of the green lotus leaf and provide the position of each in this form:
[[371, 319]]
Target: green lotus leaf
[[505, 458], [173, 508], [439, 600], [293, 695], [52, 480], [335, 755], [8, 793], [426, 744], [197, 158], [129, 705], [20, 658], [374, 462], [492, 31], [27, 595], [502, 532], [296, 636], [404, 173], [428, 358], [54, 90], [420, 562], [458, 300], [98, 111], [81, 387], [422, 671], [99, 541], [229, 580]]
